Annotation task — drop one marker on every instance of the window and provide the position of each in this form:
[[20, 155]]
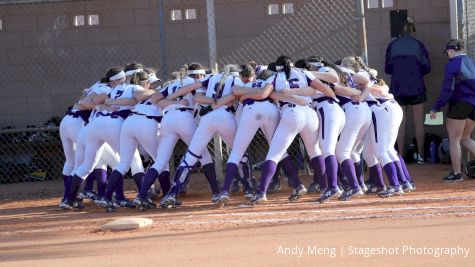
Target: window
[[388, 3], [79, 20], [93, 20], [1, 25], [373, 3], [190, 14], [175, 14], [287, 8], [273, 9]]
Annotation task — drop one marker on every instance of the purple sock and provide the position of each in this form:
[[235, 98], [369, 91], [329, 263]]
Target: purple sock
[[359, 172], [76, 183], [119, 192], [138, 179], [113, 185], [181, 176], [400, 173], [341, 176], [231, 172], [349, 170], [164, 180], [331, 170], [210, 174], [291, 172], [376, 175], [67, 185], [268, 170], [89, 183], [319, 169], [390, 170], [404, 168], [101, 179], [148, 181]]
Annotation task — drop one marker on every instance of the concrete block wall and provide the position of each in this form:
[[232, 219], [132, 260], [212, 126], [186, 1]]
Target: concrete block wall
[[45, 61], [432, 20]]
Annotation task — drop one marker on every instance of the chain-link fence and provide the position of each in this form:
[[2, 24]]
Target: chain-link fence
[[51, 50]]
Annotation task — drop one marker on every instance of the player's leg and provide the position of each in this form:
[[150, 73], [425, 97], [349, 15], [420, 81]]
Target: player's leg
[[418, 117], [401, 138]]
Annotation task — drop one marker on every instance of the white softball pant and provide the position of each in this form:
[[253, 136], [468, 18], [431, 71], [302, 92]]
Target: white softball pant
[[219, 122], [137, 129], [176, 124], [332, 121], [102, 130], [263, 115], [357, 123], [68, 131], [295, 120]]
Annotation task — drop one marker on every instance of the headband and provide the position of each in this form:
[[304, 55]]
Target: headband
[[189, 72], [235, 73], [130, 72], [118, 76], [279, 67]]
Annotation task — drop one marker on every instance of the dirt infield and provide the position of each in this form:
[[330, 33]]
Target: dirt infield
[[416, 229]]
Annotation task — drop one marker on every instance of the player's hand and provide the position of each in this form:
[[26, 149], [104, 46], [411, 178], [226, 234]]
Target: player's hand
[[242, 98], [433, 115], [301, 102], [356, 98], [183, 102]]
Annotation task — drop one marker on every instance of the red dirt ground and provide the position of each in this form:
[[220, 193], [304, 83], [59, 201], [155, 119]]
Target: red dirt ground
[[437, 215]]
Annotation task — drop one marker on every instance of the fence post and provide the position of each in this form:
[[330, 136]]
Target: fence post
[[361, 26], [163, 40], [218, 150]]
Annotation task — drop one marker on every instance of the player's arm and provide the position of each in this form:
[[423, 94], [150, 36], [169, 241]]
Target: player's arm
[[330, 76], [121, 102], [225, 100], [380, 90], [346, 91], [361, 79], [203, 99], [260, 94], [320, 86], [288, 98], [141, 95], [239, 90], [304, 91], [156, 97], [91, 101], [185, 90], [165, 103]]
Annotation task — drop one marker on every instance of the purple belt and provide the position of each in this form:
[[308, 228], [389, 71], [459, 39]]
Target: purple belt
[[157, 118], [116, 114], [83, 114], [372, 103], [325, 98]]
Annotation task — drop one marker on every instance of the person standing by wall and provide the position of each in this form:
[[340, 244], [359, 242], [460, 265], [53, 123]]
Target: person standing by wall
[[459, 91], [407, 61]]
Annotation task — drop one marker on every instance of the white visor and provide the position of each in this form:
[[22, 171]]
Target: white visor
[[196, 72], [153, 78], [316, 64], [279, 67], [118, 76], [131, 72]]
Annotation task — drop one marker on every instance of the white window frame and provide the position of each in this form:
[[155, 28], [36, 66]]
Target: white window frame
[[176, 15], [290, 8], [79, 20], [93, 20], [273, 8], [190, 14], [387, 4], [372, 4]]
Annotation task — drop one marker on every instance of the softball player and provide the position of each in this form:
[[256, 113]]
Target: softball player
[[76, 118], [178, 123], [332, 120], [219, 121], [295, 119]]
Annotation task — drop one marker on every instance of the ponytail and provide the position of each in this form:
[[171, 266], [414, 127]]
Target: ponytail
[[284, 61]]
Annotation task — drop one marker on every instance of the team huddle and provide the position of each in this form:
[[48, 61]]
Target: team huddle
[[343, 113]]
